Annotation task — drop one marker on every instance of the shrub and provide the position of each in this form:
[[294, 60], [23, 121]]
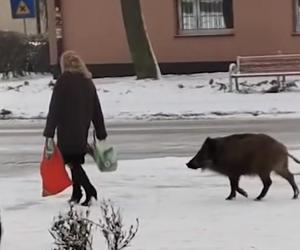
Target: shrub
[[39, 54], [21, 54], [112, 227], [13, 53], [72, 231]]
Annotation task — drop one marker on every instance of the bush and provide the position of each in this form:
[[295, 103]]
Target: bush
[[112, 227], [72, 231], [21, 54], [39, 54], [13, 53]]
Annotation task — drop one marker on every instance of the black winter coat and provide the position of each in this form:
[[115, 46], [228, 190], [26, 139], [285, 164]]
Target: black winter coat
[[74, 105]]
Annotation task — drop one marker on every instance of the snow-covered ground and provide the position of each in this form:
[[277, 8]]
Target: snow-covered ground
[[178, 209], [172, 97]]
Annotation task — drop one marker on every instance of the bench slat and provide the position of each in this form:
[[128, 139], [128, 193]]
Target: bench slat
[[269, 69], [269, 57], [269, 64], [266, 74]]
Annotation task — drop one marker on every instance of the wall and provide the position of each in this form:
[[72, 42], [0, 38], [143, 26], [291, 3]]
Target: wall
[[94, 28]]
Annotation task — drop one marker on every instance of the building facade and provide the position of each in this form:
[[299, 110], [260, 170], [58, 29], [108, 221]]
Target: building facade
[[187, 36]]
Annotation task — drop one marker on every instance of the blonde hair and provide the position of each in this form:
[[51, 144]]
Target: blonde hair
[[70, 61]]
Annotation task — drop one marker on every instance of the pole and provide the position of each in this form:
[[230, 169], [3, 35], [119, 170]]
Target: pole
[[53, 48], [25, 26], [38, 17]]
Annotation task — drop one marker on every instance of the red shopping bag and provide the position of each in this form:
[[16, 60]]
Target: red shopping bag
[[55, 178]]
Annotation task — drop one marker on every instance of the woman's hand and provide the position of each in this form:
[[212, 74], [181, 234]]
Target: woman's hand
[[49, 147]]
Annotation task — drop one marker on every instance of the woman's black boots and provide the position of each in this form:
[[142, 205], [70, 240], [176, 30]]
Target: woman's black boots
[[76, 193], [80, 179], [89, 189]]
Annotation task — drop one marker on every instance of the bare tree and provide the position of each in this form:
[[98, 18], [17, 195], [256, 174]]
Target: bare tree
[[139, 43]]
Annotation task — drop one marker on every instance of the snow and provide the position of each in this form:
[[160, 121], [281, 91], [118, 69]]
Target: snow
[[171, 97], [178, 208]]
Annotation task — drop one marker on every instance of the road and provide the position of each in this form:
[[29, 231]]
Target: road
[[21, 143]]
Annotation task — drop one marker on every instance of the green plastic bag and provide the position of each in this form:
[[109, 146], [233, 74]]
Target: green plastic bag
[[104, 155]]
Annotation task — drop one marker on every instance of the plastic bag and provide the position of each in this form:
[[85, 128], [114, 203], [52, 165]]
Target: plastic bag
[[54, 175], [104, 155]]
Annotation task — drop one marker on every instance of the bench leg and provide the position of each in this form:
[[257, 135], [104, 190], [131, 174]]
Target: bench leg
[[278, 82], [230, 83], [232, 69], [237, 85], [283, 83]]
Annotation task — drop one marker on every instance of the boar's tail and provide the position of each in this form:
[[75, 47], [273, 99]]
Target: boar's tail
[[294, 158]]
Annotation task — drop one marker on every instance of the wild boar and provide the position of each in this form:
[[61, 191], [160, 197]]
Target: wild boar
[[245, 154]]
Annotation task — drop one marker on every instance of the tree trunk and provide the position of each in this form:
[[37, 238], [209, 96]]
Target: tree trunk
[[139, 44]]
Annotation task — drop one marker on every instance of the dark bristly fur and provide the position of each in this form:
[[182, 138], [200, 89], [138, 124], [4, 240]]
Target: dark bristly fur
[[245, 154]]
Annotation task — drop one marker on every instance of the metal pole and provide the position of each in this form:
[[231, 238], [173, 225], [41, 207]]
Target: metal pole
[[38, 17], [46, 16], [25, 26], [52, 33]]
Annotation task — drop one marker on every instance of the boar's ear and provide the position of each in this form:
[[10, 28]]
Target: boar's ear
[[207, 140]]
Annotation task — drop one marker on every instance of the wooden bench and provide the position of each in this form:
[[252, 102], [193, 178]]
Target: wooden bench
[[279, 66]]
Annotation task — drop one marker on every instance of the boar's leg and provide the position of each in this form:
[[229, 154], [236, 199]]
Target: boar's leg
[[242, 192], [267, 183], [286, 174], [234, 183]]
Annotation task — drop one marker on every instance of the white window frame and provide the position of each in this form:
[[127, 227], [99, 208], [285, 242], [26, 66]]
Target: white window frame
[[198, 31]]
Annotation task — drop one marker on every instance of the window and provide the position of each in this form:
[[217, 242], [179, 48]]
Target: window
[[205, 16], [297, 28]]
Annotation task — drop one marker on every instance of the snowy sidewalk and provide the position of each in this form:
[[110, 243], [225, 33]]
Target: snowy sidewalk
[[172, 97], [178, 209]]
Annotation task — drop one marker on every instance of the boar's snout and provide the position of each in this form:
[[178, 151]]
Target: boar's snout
[[191, 165]]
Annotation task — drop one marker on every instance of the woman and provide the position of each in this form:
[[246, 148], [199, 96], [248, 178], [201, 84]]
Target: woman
[[74, 105]]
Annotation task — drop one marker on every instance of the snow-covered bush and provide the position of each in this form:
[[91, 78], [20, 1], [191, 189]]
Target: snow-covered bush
[[112, 227], [72, 231]]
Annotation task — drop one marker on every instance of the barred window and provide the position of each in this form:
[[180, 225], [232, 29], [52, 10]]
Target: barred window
[[197, 16], [297, 28]]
